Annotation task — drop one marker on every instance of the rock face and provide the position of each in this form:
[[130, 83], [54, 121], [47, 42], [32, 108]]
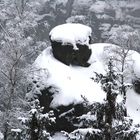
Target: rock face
[[72, 46], [63, 114], [136, 85], [67, 55]]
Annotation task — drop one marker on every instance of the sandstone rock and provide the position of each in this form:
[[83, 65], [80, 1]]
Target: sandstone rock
[[72, 45], [136, 85]]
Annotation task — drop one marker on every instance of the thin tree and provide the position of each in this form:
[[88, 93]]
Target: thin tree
[[121, 57]]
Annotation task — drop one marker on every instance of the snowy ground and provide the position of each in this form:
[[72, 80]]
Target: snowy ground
[[73, 81]]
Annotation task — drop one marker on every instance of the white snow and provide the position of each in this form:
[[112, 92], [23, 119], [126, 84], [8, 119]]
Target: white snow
[[16, 130], [72, 19], [71, 33], [59, 136], [125, 30], [136, 59], [84, 131], [133, 105], [71, 82], [88, 116], [1, 136]]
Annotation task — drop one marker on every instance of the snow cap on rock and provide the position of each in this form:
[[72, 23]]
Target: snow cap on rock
[[71, 33]]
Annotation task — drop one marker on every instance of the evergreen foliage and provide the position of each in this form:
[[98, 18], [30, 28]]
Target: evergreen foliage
[[35, 125], [107, 120]]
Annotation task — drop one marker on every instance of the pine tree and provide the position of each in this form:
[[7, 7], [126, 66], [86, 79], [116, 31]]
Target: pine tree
[[35, 125], [107, 120], [109, 85], [114, 111]]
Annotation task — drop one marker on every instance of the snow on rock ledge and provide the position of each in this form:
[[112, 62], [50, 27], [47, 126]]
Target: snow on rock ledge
[[70, 43], [71, 33]]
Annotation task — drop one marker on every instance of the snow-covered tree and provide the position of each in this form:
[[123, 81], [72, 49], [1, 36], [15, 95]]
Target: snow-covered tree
[[123, 62], [18, 49], [116, 120], [106, 120], [124, 35], [35, 124]]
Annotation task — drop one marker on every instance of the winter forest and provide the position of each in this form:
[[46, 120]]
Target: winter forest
[[70, 69]]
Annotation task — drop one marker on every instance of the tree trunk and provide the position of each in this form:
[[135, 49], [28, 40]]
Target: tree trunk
[[34, 128]]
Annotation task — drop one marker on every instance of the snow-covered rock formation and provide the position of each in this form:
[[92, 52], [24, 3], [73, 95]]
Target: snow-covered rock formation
[[70, 43], [61, 86]]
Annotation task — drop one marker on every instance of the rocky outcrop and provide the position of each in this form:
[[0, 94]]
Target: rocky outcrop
[[67, 55], [70, 44], [136, 85]]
